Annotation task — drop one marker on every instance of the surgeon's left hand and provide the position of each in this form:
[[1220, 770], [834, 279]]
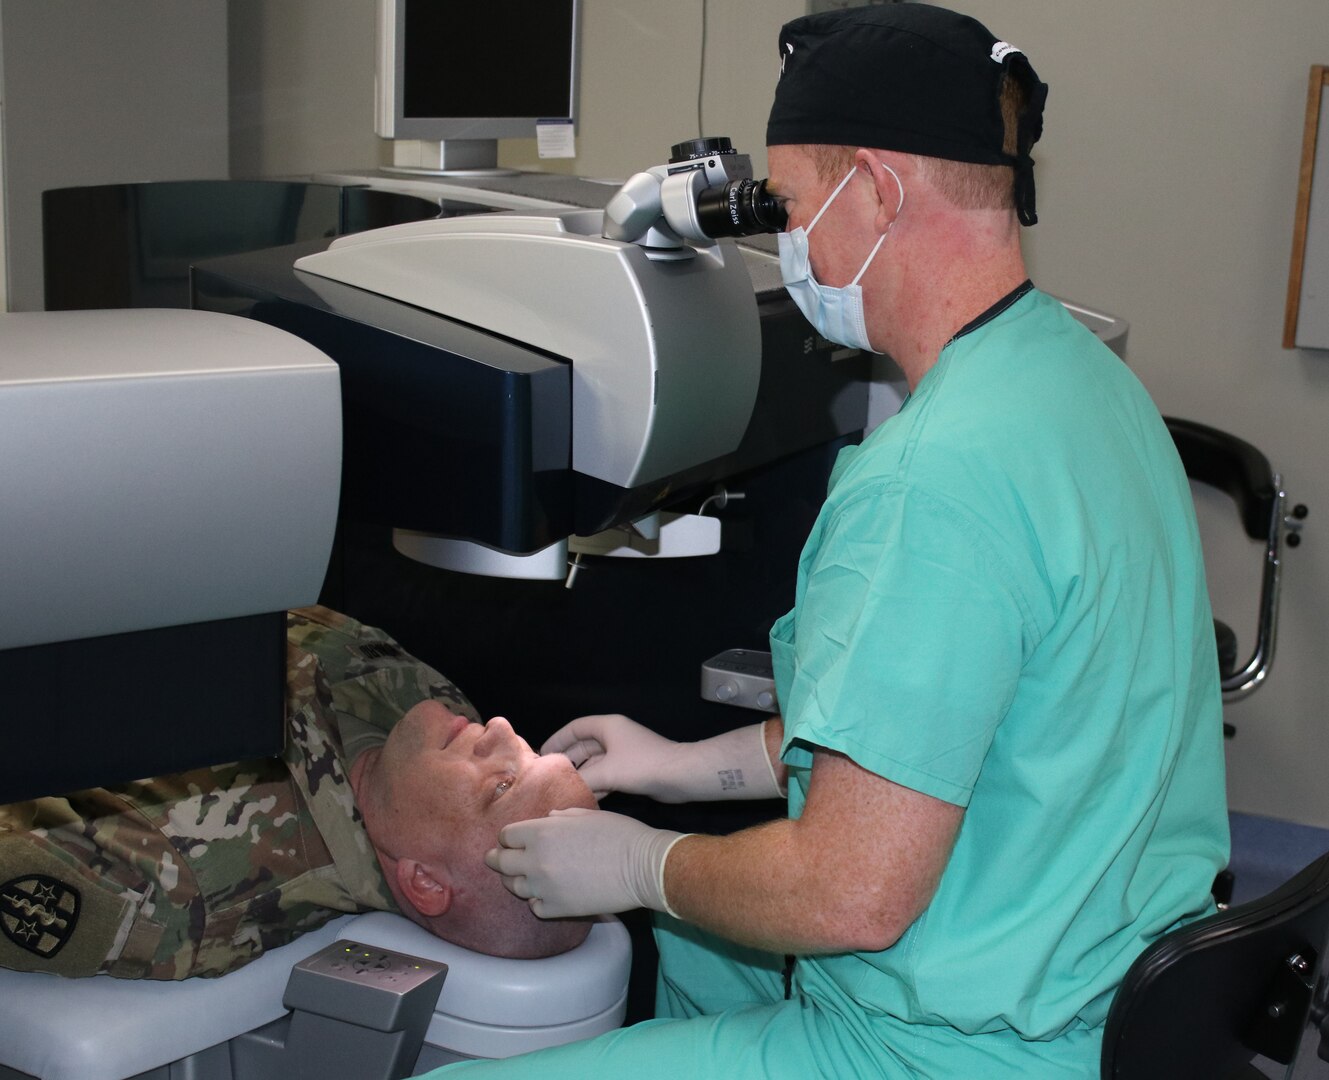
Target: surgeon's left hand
[[584, 862]]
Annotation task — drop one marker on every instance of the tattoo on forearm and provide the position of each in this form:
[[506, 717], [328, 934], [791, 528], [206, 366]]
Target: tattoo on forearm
[[731, 779]]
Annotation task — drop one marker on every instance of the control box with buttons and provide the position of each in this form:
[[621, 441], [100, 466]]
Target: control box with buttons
[[371, 987], [742, 677]]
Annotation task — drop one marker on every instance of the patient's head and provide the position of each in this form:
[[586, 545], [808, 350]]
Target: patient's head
[[434, 797]]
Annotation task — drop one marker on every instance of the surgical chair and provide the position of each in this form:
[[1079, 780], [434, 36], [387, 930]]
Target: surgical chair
[[1237, 468], [1240, 995]]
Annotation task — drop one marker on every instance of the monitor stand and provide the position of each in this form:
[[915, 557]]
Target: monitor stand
[[449, 157]]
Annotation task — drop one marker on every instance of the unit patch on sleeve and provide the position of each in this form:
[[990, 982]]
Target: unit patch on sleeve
[[38, 913]]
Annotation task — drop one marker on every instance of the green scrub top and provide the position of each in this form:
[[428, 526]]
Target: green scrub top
[[1002, 605]]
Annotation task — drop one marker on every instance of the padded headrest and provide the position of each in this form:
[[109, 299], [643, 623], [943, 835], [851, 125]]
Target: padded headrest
[[161, 467]]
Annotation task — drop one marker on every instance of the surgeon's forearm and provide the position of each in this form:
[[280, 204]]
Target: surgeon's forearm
[[750, 888], [850, 875]]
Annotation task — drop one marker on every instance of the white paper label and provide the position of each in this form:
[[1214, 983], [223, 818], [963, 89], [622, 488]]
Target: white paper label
[[554, 139]]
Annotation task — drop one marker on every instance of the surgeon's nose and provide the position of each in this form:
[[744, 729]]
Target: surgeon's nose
[[498, 733]]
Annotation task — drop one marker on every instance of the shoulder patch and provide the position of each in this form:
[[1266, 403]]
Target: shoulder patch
[[38, 913]]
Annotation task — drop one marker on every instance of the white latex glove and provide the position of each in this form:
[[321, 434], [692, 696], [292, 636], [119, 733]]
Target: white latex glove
[[583, 862], [613, 753]]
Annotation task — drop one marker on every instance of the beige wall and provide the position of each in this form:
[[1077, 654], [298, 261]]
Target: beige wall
[[1166, 179], [302, 83], [97, 93], [1167, 185], [302, 86], [639, 80]]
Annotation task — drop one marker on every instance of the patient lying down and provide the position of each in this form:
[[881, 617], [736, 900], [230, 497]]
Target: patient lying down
[[434, 798], [387, 797]]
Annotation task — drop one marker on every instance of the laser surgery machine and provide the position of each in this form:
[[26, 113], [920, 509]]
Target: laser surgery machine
[[437, 427]]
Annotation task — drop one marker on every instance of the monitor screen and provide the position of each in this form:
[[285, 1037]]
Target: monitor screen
[[478, 70]]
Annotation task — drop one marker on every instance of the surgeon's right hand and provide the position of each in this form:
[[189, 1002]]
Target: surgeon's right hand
[[614, 753]]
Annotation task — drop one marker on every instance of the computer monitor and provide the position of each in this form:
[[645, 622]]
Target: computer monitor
[[464, 75]]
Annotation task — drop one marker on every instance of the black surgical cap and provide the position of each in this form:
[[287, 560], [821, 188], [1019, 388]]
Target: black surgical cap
[[907, 77]]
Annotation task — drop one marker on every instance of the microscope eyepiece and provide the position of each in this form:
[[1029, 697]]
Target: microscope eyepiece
[[740, 208], [705, 193]]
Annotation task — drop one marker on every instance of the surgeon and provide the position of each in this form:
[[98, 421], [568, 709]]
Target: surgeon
[[387, 797], [1000, 732]]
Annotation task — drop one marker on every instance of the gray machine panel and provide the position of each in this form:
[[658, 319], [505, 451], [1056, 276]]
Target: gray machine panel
[[161, 467]]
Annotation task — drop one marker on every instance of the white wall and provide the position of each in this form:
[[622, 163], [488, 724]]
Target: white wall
[[1167, 183]]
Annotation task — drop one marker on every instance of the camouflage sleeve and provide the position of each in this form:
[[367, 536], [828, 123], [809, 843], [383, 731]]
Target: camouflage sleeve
[[191, 874], [66, 905], [198, 873], [342, 676], [373, 680]]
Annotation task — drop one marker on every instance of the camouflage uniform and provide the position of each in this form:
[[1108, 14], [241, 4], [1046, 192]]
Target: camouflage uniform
[[200, 872]]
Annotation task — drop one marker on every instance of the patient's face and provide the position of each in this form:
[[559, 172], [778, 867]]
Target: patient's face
[[454, 784], [466, 781]]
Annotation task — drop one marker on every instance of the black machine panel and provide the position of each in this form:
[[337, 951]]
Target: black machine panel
[[111, 709]]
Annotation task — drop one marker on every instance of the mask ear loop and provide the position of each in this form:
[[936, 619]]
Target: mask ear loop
[[882, 238], [826, 205], [896, 177]]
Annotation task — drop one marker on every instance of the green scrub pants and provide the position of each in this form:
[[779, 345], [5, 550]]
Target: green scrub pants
[[722, 1013]]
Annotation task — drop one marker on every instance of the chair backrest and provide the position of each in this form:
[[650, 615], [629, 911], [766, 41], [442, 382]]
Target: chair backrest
[[1205, 1000], [1237, 468], [1230, 464]]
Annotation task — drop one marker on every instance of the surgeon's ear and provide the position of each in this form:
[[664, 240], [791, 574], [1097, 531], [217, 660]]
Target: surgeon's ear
[[428, 894], [889, 186]]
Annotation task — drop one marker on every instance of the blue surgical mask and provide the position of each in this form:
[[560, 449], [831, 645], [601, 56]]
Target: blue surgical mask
[[835, 312]]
